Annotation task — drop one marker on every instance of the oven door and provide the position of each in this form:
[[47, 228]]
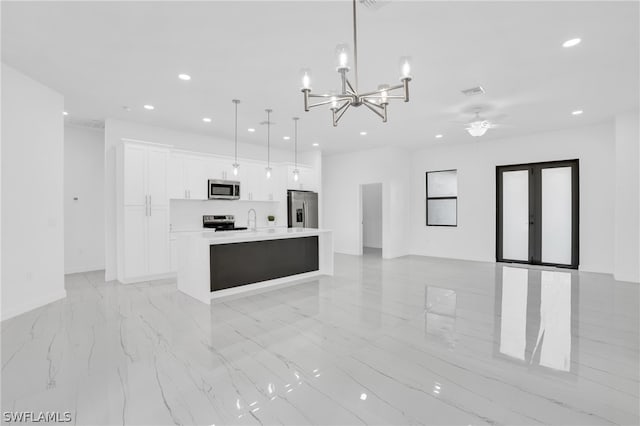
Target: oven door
[[223, 190]]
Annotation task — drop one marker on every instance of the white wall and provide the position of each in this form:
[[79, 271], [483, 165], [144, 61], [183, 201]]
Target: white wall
[[342, 175], [372, 215], [84, 217], [116, 130], [32, 188], [474, 238], [627, 201]]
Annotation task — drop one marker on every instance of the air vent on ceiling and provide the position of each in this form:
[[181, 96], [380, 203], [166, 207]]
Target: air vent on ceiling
[[82, 122], [374, 4], [473, 91]]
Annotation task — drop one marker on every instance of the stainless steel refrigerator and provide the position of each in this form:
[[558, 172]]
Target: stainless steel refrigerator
[[302, 209]]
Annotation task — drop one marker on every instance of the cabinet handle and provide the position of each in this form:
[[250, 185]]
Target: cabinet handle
[[146, 205], [149, 205]]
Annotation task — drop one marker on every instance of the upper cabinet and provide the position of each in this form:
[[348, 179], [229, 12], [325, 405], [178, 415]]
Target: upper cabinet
[[220, 168], [255, 186], [307, 179], [144, 171], [187, 177], [189, 173]]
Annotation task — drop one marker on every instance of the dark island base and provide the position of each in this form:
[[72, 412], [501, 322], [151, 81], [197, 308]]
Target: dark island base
[[238, 264]]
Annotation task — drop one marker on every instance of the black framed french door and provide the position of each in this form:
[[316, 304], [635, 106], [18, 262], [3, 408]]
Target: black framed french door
[[538, 213]]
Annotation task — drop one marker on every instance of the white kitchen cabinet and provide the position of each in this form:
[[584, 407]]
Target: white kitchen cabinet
[[135, 242], [189, 174], [158, 240], [134, 161], [188, 177], [143, 211], [254, 185], [307, 179], [196, 177], [220, 168], [173, 250]]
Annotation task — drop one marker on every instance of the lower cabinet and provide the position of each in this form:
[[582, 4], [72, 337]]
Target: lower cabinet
[[173, 250], [145, 243]]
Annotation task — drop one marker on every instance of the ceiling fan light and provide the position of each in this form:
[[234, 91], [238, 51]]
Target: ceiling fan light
[[477, 131]]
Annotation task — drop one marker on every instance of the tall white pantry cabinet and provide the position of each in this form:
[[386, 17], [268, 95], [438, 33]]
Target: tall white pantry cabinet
[[142, 198]]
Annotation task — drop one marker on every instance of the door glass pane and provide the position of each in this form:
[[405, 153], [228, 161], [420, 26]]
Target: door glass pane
[[515, 215], [442, 184], [441, 212], [556, 215]]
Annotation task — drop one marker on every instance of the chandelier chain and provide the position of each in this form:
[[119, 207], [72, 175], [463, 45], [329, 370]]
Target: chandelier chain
[[355, 46]]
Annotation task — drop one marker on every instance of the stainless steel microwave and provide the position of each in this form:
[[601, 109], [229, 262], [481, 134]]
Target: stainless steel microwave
[[223, 189]]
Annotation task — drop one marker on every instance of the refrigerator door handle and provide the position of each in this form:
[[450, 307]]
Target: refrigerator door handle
[[304, 214]]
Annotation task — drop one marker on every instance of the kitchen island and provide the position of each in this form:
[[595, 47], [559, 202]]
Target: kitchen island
[[215, 264]]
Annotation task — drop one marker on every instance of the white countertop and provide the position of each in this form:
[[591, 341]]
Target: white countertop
[[226, 237]]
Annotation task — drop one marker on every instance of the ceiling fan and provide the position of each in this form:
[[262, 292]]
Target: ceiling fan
[[480, 125]]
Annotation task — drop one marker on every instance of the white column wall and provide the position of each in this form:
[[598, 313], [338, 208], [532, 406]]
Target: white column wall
[[627, 204], [32, 190]]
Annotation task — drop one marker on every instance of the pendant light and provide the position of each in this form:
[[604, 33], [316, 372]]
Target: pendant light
[[268, 169], [235, 164], [296, 172]]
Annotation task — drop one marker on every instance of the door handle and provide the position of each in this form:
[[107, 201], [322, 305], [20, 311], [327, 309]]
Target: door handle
[[304, 214]]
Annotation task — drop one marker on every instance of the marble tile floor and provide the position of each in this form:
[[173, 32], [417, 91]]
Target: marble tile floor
[[413, 340]]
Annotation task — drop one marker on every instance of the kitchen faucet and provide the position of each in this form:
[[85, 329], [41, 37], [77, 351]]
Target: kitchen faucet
[[255, 219]]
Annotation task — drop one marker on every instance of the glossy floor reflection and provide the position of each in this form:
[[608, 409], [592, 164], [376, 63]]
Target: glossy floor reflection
[[413, 340]]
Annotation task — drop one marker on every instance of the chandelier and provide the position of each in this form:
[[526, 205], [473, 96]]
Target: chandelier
[[376, 100]]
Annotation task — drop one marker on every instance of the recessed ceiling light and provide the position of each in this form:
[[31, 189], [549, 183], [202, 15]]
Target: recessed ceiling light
[[251, 130], [316, 144], [577, 112], [286, 138], [185, 77], [65, 113], [149, 107], [571, 43], [206, 120], [438, 136], [363, 133]]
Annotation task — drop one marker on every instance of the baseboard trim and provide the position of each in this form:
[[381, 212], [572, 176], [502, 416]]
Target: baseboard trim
[[33, 304], [81, 269], [146, 278]]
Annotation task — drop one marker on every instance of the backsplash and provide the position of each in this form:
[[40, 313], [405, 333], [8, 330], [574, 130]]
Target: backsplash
[[187, 214]]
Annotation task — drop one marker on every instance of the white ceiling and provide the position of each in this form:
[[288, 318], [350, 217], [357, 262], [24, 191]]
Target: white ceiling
[[104, 55]]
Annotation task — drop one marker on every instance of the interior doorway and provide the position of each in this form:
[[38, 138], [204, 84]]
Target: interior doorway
[[537, 213], [371, 241]]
